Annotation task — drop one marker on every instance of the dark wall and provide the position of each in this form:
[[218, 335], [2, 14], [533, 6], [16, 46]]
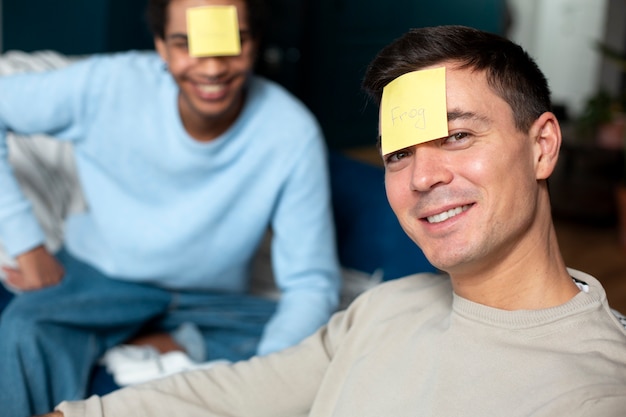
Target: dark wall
[[74, 27], [318, 49], [343, 36]]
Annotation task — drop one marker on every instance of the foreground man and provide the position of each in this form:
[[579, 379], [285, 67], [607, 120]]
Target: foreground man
[[508, 331]]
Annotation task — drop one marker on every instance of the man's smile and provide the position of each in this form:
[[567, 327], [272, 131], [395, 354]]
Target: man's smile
[[438, 218], [211, 91]]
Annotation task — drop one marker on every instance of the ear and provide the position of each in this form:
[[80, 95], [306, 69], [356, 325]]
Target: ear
[[546, 134], [159, 45]]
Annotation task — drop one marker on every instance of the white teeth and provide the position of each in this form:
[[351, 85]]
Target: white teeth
[[437, 218], [210, 88]]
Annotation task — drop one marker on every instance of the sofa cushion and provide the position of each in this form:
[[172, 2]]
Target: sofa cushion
[[369, 236]]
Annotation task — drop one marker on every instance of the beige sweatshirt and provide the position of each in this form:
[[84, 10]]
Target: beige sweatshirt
[[410, 347]]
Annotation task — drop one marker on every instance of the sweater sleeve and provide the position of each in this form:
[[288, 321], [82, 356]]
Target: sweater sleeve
[[32, 103], [303, 253], [285, 384], [289, 383]]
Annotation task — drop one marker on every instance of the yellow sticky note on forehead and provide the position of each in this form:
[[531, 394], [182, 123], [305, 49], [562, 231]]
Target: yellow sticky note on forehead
[[213, 31], [413, 109]]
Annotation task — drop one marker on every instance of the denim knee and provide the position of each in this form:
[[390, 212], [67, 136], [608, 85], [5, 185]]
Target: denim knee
[[20, 324]]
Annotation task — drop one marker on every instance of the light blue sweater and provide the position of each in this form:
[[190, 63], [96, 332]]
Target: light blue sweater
[[167, 210]]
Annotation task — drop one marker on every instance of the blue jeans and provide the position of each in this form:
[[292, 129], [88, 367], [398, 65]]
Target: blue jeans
[[51, 339]]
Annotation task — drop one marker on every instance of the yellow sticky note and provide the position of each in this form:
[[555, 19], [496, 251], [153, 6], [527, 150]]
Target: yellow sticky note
[[413, 109], [213, 31]]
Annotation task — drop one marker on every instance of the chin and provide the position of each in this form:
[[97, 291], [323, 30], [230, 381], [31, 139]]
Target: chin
[[449, 262]]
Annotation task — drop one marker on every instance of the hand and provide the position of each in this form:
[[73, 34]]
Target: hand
[[37, 269]]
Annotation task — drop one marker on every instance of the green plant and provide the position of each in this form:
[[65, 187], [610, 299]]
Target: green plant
[[599, 109], [603, 107], [618, 58], [604, 113]]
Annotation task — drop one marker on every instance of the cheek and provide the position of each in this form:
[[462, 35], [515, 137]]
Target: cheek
[[494, 170], [178, 63], [398, 192], [249, 49], [480, 168], [507, 183], [244, 62], [482, 174]]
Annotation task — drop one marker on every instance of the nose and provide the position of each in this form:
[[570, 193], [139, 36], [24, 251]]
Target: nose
[[213, 66], [430, 168]]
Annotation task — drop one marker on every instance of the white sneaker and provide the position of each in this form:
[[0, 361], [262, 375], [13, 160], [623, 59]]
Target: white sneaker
[[130, 364]]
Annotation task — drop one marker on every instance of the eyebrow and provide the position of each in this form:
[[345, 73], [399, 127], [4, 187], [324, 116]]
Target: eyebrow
[[184, 36], [175, 36], [467, 115], [452, 116]]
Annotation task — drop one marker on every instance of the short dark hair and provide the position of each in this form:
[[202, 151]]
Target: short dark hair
[[511, 72], [156, 15]]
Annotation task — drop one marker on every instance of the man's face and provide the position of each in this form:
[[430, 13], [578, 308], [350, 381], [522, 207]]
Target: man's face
[[468, 199], [211, 88]]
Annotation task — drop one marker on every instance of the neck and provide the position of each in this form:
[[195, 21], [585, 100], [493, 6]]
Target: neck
[[530, 276], [203, 128]]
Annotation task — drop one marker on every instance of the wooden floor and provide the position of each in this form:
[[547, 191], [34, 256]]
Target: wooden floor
[[596, 251]]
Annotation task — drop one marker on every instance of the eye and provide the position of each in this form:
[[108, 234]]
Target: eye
[[458, 140], [397, 156], [456, 137], [179, 45]]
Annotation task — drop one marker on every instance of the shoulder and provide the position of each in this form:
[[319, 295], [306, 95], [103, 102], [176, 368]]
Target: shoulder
[[595, 299], [392, 304], [606, 400], [409, 293], [286, 125], [266, 88], [140, 62], [273, 99], [133, 57], [123, 77], [425, 283]]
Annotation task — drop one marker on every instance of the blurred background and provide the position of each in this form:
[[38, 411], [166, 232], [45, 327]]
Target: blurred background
[[319, 49]]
